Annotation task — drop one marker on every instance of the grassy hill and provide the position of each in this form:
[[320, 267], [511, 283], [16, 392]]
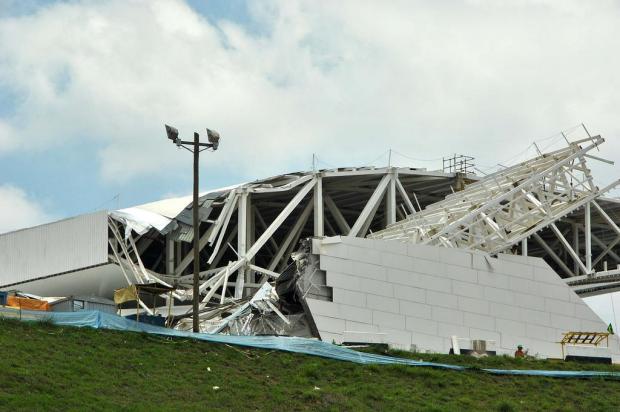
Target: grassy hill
[[46, 367]]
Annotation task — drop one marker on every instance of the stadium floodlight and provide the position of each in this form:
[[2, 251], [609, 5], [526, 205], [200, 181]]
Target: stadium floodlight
[[173, 134], [195, 148], [214, 138]]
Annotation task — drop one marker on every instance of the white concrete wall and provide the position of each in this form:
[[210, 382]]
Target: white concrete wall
[[418, 295]]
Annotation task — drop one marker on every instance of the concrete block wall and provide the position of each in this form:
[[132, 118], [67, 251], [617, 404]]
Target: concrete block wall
[[416, 296]]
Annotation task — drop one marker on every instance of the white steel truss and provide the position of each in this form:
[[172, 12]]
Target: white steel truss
[[506, 207]]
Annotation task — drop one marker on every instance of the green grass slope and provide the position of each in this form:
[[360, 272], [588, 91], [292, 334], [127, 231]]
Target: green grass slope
[[46, 367]]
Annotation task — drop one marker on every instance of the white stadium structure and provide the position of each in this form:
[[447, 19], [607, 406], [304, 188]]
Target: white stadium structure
[[413, 258]]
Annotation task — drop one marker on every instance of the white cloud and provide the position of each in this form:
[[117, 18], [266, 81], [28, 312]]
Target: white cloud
[[18, 210], [346, 80]]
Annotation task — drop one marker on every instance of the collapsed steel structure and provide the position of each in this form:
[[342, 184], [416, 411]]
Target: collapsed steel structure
[[515, 204], [542, 199], [267, 219], [259, 272], [509, 206]]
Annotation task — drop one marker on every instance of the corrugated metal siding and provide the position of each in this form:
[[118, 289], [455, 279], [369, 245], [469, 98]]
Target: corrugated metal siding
[[76, 305], [58, 247], [100, 307]]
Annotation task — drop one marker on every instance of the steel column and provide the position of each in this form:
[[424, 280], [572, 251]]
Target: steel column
[[588, 235], [319, 226]]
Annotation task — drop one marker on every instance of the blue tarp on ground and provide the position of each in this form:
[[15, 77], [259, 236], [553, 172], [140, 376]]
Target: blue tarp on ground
[[96, 319]]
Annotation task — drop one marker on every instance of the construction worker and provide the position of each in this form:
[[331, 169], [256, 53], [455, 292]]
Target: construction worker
[[519, 352]]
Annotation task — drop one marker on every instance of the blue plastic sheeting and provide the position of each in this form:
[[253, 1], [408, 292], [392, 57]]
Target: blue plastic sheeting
[[96, 319], [555, 374]]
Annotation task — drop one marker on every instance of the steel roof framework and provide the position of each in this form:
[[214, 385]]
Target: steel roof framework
[[506, 207], [255, 227], [268, 218]]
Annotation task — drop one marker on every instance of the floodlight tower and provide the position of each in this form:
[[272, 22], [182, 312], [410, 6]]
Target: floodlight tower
[[214, 142]]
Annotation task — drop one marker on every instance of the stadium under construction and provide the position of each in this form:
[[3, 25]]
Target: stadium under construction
[[425, 260]]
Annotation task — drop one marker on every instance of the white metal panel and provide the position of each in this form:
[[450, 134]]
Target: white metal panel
[[53, 248], [95, 281]]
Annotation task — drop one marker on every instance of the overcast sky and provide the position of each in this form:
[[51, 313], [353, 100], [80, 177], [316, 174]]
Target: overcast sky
[[86, 86]]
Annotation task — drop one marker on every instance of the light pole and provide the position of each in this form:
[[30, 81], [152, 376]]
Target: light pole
[[214, 142]]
